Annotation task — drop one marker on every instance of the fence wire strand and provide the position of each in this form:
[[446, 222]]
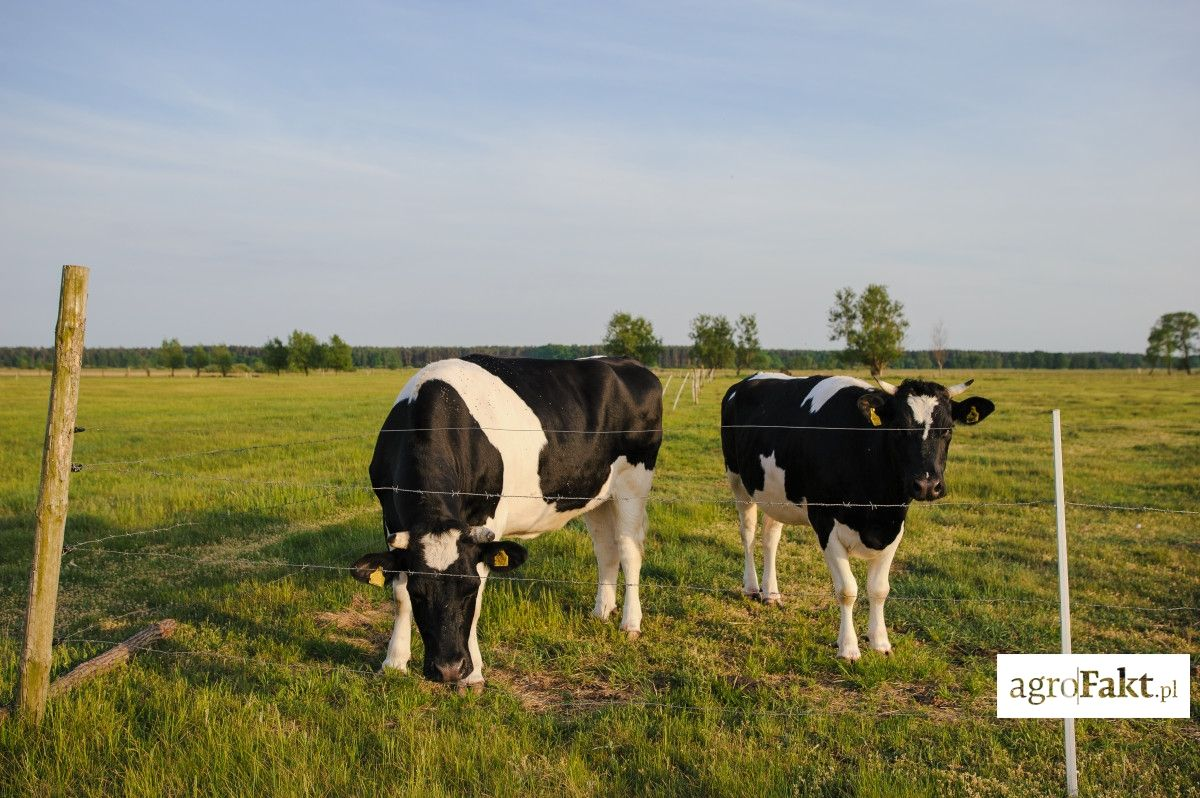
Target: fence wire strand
[[722, 591], [649, 498]]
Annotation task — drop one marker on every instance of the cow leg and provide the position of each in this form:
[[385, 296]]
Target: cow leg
[[747, 512], [601, 524], [629, 492], [399, 650], [878, 588], [772, 531], [846, 590], [476, 675], [632, 523]]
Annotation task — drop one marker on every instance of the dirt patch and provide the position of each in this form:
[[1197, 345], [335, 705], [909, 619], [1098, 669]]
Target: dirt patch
[[549, 692], [359, 623]]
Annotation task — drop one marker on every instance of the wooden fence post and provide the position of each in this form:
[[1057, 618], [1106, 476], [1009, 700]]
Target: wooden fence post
[[34, 678]]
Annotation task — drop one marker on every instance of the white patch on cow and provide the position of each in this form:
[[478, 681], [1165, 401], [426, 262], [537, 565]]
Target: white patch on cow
[[773, 495], [476, 674], [852, 542], [399, 650], [771, 375], [922, 410], [440, 550], [514, 429], [824, 390], [398, 540]]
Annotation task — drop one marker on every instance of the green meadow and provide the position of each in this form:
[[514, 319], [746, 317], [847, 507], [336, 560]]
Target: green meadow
[[270, 686]]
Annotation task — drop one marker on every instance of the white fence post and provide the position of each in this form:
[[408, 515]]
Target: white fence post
[[1064, 597], [679, 393]]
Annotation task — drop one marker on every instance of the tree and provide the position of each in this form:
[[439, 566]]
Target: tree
[[222, 358], [1160, 345], [712, 341], [938, 339], [304, 352], [872, 325], [171, 355], [747, 349], [1184, 329], [632, 336], [338, 355], [275, 355], [198, 359]]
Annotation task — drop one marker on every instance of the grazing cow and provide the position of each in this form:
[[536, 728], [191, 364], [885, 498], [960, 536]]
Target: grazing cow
[[482, 449], [802, 447]]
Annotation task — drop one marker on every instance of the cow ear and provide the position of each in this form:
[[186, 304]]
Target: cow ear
[[971, 411], [874, 405], [380, 568], [503, 555]]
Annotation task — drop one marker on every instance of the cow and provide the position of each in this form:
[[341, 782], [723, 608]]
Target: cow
[[845, 458], [480, 451]]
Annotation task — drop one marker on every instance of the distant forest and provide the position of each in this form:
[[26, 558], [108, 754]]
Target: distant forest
[[390, 357]]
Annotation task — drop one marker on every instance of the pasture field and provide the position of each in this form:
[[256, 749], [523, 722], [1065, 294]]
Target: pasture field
[[268, 687]]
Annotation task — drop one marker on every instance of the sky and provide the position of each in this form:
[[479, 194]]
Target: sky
[[455, 173]]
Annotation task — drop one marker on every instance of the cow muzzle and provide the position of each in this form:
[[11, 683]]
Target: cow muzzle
[[927, 489], [454, 671]]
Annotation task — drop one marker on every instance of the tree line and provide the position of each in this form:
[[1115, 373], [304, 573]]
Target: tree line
[[871, 324], [302, 352], [252, 358]]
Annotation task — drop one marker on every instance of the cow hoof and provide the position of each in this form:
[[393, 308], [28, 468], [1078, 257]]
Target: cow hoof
[[604, 614], [752, 594], [633, 635], [392, 666], [773, 600], [852, 655], [475, 688], [885, 650]]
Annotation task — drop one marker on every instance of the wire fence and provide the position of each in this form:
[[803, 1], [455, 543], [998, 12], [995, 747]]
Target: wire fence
[[145, 467]]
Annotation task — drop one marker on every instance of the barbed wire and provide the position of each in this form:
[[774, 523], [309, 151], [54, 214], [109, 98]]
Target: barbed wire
[[595, 583], [1008, 414], [337, 438], [553, 498], [230, 450], [70, 547], [1131, 508], [649, 498]]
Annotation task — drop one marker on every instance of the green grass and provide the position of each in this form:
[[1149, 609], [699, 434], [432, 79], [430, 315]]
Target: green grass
[[721, 696]]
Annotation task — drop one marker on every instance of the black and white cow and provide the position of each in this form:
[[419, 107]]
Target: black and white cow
[[482, 449], [802, 446]]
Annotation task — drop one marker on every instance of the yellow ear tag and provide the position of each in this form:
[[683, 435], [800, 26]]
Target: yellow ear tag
[[972, 415], [501, 559], [875, 422], [377, 577]]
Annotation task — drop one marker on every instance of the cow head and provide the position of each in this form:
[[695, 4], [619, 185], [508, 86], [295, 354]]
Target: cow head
[[921, 416], [442, 572]]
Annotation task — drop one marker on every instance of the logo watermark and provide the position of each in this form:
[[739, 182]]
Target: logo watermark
[[1093, 685]]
